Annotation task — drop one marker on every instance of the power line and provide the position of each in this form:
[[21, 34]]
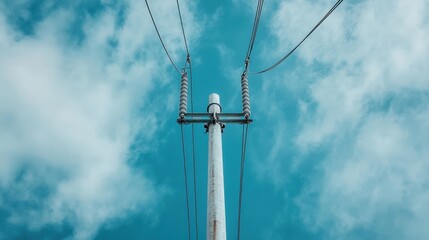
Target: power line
[[253, 34], [188, 61], [312, 30], [245, 128], [186, 181], [160, 38], [255, 27], [243, 158], [183, 141], [183, 29]]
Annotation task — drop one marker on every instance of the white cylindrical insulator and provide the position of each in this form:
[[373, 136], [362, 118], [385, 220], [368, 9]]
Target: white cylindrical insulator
[[183, 107], [214, 104], [245, 95]]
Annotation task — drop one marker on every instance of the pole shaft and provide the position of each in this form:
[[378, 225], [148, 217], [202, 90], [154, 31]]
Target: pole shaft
[[216, 222]]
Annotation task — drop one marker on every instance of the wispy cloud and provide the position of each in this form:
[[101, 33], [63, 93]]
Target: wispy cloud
[[75, 93], [363, 103], [249, 6]]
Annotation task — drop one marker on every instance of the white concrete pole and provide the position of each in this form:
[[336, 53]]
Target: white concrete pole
[[216, 222]]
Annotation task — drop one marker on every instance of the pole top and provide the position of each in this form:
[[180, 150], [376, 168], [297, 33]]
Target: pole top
[[214, 103], [214, 98]]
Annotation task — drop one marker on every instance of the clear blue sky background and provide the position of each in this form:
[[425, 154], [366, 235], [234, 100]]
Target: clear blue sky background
[[90, 147]]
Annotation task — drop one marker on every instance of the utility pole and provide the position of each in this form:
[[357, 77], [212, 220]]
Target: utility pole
[[216, 222], [214, 122]]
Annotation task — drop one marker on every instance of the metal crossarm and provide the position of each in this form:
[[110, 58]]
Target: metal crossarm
[[190, 118]]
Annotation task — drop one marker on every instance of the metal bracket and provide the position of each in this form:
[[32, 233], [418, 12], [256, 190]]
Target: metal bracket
[[208, 118]]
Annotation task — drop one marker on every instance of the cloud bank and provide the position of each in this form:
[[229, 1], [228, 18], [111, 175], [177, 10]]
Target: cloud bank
[[77, 86], [361, 94]]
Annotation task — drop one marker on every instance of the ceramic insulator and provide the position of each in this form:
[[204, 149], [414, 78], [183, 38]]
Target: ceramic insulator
[[183, 107], [245, 95]]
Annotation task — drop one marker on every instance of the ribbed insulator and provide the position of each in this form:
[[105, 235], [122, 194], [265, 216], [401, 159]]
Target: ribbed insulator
[[245, 95], [183, 107]]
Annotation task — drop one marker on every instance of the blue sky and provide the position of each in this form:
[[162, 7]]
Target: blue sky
[[90, 147]]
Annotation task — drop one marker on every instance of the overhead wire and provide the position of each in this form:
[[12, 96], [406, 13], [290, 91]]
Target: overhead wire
[[254, 28], [245, 128], [188, 61], [253, 34], [183, 29], [186, 180], [160, 38], [182, 133], [312, 30], [243, 158]]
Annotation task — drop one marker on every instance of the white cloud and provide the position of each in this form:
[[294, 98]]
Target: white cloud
[[249, 6], [364, 101], [380, 185], [70, 111]]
